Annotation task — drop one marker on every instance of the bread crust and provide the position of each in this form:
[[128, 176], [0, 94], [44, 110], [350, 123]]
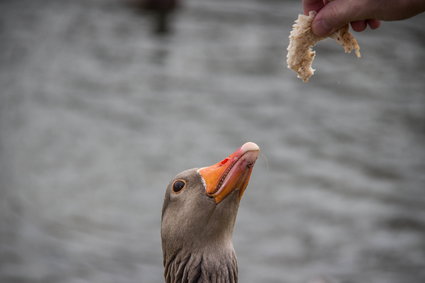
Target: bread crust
[[302, 39]]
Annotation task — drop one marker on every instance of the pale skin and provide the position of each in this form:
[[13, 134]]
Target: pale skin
[[333, 15]]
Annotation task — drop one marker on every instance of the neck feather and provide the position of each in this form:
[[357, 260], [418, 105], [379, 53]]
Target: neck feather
[[201, 267]]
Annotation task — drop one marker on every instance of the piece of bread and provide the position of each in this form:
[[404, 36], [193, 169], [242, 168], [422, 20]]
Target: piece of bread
[[301, 40]]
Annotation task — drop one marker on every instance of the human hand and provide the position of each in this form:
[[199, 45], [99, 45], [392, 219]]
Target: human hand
[[332, 15]]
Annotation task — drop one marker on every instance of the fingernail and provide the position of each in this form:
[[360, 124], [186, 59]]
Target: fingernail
[[321, 28]]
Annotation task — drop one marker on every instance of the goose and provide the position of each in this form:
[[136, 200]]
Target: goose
[[198, 216]]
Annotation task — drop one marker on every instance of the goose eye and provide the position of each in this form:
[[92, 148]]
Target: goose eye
[[178, 185]]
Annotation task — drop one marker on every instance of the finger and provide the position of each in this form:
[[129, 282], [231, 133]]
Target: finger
[[359, 25], [336, 14], [312, 5], [374, 24]]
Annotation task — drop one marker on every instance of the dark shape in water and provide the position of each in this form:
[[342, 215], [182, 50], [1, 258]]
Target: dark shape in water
[[160, 9]]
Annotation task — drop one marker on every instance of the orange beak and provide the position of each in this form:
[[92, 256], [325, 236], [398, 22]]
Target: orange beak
[[230, 174]]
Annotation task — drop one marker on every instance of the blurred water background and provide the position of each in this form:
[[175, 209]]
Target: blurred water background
[[98, 113]]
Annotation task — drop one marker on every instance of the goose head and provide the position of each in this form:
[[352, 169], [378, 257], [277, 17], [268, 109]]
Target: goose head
[[198, 216]]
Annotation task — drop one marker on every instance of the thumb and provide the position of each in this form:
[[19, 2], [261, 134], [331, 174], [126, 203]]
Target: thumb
[[335, 15]]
